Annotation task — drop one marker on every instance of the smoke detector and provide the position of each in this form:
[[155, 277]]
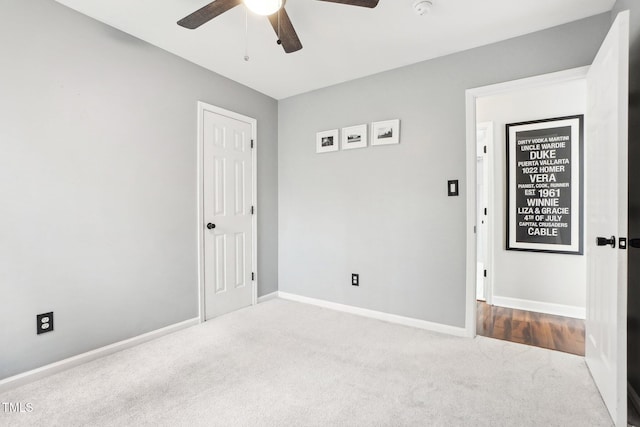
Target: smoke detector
[[422, 6]]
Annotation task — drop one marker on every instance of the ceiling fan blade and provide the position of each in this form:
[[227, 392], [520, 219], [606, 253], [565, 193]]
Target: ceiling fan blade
[[207, 13], [361, 3], [287, 34]]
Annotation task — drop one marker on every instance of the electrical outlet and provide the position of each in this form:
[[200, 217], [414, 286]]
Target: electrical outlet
[[355, 279], [44, 322]]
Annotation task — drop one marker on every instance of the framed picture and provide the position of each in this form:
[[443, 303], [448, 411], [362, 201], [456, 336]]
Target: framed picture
[[387, 132], [327, 141], [544, 185], [354, 137]]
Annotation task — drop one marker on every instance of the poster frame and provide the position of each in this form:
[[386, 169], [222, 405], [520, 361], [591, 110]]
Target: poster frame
[[577, 188]]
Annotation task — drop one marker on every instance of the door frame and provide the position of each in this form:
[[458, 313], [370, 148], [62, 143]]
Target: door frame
[[471, 96], [202, 107], [489, 177]]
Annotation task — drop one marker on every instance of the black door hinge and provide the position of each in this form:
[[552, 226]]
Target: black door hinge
[[253, 276], [485, 273], [252, 210], [485, 211], [252, 143], [485, 149]]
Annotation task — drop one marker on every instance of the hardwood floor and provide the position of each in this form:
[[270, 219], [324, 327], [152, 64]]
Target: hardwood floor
[[538, 329]]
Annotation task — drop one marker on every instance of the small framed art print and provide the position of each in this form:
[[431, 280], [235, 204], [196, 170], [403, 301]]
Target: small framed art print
[[354, 137], [386, 132], [327, 141]]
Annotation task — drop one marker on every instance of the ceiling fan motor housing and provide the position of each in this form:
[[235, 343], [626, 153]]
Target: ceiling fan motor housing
[[422, 6]]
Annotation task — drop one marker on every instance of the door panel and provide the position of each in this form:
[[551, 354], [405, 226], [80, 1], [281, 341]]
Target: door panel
[[219, 173], [239, 185], [241, 260], [606, 216], [228, 192], [220, 263]]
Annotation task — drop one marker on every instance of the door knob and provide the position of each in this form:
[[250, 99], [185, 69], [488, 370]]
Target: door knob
[[603, 241], [211, 226]]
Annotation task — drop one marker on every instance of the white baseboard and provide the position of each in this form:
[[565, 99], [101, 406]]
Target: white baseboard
[[540, 307], [267, 297], [387, 317], [63, 365]]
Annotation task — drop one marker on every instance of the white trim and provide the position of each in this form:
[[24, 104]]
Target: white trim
[[542, 80], [387, 317], [254, 203], [202, 106], [267, 297], [71, 362], [541, 307], [200, 211], [472, 256], [471, 96]]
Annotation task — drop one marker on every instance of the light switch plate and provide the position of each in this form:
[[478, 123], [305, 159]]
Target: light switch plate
[[453, 187]]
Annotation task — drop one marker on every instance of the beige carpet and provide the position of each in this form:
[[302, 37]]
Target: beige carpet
[[288, 364]]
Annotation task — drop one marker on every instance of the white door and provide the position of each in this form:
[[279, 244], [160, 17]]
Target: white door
[[606, 216], [228, 226]]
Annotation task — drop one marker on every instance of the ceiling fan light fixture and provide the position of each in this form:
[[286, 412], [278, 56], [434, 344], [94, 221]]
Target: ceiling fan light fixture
[[264, 7]]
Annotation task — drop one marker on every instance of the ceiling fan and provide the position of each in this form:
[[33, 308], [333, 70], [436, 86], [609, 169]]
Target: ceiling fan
[[277, 15]]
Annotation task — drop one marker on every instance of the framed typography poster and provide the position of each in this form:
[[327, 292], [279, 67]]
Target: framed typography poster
[[544, 185]]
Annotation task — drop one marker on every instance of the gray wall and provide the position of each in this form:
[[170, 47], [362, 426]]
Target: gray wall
[[98, 183], [383, 212], [633, 323]]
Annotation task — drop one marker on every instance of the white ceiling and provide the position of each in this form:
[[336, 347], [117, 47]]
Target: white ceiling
[[340, 42]]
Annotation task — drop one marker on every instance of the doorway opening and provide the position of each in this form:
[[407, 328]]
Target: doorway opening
[[526, 297], [529, 327]]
